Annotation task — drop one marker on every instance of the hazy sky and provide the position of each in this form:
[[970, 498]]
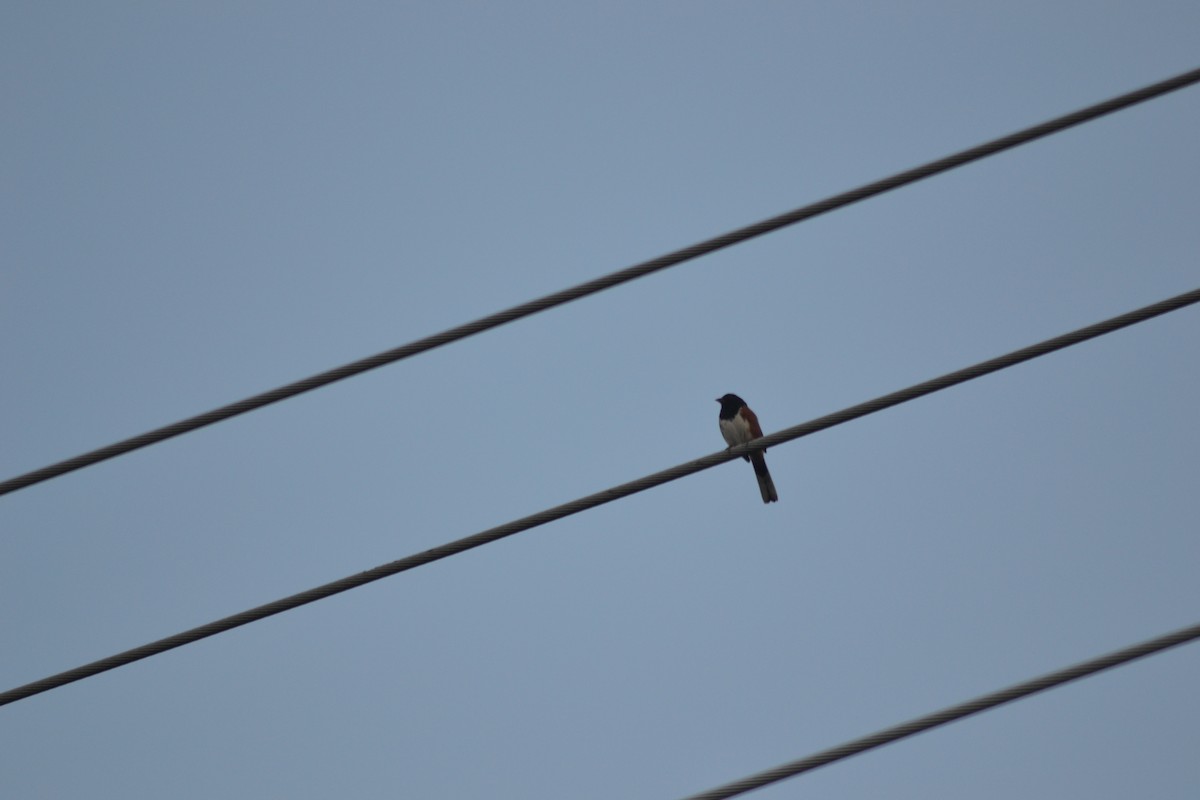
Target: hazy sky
[[203, 201]]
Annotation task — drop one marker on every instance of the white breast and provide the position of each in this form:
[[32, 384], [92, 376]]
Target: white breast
[[736, 431]]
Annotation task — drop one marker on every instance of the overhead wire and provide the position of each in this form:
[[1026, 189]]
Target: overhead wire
[[600, 498], [599, 284], [951, 714]]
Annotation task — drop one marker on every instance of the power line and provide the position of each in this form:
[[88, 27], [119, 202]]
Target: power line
[[599, 284], [947, 715], [600, 498]]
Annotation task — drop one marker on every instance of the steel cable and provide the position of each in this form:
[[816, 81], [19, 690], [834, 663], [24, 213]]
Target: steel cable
[[600, 498], [946, 715], [599, 284]]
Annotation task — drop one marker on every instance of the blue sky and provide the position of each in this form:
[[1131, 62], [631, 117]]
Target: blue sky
[[201, 202]]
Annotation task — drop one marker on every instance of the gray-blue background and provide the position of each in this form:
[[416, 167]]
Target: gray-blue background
[[203, 201]]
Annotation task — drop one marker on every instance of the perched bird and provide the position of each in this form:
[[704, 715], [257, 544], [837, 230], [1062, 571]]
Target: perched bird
[[738, 426]]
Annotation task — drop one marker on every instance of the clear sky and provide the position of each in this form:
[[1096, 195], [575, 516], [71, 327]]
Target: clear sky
[[203, 201]]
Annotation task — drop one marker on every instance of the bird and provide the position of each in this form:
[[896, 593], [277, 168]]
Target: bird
[[740, 425]]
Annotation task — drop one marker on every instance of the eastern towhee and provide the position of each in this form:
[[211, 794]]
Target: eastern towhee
[[738, 426]]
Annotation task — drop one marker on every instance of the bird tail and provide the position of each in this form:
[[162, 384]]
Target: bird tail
[[765, 484]]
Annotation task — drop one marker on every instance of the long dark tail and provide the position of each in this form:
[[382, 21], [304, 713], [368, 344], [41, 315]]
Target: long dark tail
[[765, 484]]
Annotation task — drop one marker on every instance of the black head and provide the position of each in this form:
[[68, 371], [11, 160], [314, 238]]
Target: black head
[[730, 404]]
